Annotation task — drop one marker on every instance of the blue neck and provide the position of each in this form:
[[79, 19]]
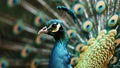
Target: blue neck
[[59, 51], [63, 41]]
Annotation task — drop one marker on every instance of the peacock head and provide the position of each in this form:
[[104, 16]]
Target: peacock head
[[54, 28]]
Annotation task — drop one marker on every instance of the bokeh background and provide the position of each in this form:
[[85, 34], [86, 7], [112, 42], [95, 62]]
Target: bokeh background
[[20, 20]]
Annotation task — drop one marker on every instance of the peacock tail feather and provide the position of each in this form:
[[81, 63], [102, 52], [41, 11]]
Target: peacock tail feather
[[92, 27]]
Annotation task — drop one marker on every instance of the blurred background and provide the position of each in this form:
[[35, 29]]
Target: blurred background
[[20, 20]]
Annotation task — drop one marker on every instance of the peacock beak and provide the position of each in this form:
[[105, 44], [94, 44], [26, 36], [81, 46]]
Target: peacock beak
[[43, 30]]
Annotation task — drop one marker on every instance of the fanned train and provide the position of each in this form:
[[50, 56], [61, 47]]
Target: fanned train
[[60, 34]]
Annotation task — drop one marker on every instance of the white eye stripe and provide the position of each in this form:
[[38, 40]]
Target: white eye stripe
[[50, 26]]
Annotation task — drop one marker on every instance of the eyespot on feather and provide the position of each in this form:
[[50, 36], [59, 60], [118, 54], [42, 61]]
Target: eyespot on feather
[[38, 20], [74, 61], [100, 6], [3, 63], [17, 29], [113, 20], [117, 42], [71, 33], [80, 48], [39, 39], [26, 51], [113, 60], [12, 3], [34, 63], [79, 9], [87, 25]]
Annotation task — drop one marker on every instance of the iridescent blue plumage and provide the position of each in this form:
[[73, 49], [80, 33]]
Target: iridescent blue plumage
[[60, 57]]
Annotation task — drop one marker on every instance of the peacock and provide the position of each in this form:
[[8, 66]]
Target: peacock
[[60, 34], [60, 57]]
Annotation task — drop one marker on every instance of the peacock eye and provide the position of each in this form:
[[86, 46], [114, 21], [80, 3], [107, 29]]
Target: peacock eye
[[79, 9], [113, 20], [53, 26], [87, 26], [100, 6]]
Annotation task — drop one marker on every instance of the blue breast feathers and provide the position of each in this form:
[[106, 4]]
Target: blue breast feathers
[[60, 57]]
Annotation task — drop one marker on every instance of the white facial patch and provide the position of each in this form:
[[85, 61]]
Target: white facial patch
[[58, 27]]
